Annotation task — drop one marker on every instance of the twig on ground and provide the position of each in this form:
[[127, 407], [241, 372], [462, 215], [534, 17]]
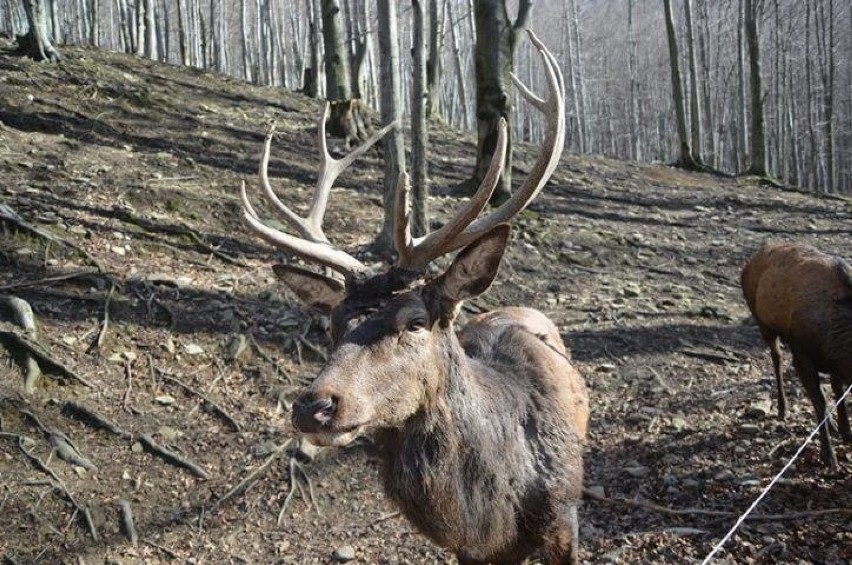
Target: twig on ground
[[128, 376], [166, 550], [218, 410], [171, 457], [716, 513], [293, 486], [253, 477], [98, 342], [384, 517]]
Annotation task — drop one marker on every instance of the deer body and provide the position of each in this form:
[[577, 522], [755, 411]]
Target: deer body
[[491, 468], [804, 297], [481, 434]]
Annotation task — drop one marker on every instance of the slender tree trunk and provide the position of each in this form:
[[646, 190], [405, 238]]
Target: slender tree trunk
[[742, 113], [461, 83], [758, 136], [635, 140], [150, 31], [390, 109], [496, 36], [579, 82], [435, 64], [336, 62], [694, 106], [685, 158], [419, 141]]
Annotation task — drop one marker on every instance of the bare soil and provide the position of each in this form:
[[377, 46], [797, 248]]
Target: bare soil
[[132, 168]]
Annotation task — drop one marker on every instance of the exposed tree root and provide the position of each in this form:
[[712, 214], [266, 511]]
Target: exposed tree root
[[171, 457], [8, 215], [22, 313], [93, 419], [56, 483], [61, 443], [98, 342], [127, 525], [48, 280], [18, 344]]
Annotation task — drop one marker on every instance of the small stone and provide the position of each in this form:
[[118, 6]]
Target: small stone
[[169, 433], [169, 345], [759, 409], [605, 368], [344, 553], [597, 490], [118, 250], [750, 429], [136, 447], [725, 475], [165, 400], [193, 349], [638, 471], [237, 345]]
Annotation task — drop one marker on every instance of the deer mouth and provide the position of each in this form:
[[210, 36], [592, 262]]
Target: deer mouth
[[340, 437]]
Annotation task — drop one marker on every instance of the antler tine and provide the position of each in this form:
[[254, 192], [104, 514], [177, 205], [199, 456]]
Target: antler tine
[[331, 169], [317, 252], [415, 253], [464, 228], [312, 243], [553, 109]]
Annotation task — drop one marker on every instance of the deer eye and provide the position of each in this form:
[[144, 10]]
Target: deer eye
[[416, 324]]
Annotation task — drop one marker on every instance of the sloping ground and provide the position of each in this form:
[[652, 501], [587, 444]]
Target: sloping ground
[[133, 167]]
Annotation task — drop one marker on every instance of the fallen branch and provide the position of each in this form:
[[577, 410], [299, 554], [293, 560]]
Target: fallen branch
[[93, 418], [128, 376], [166, 550], [171, 457], [218, 410], [638, 503], [47, 280], [245, 484]]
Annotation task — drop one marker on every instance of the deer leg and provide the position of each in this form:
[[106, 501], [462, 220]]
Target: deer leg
[[560, 544], [809, 376], [774, 343], [842, 415]]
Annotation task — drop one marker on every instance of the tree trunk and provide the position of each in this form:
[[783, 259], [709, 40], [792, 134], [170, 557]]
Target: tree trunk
[[635, 128], [435, 64], [419, 142], [310, 84], [336, 62], [496, 36], [685, 158], [36, 43], [758, 136], [461, 84], [742, 112], [390, 108], [694, 106], [150, 31]]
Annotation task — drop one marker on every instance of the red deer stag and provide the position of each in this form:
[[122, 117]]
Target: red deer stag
[[804, 297], [480, 433]]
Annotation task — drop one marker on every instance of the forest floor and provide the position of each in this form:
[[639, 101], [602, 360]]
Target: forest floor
[[125, 177]]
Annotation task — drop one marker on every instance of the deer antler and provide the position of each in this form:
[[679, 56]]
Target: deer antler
[[311, 243], [464, 228]]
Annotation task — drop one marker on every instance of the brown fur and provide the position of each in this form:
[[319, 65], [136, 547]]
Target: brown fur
[[481, 435], [804, 297]]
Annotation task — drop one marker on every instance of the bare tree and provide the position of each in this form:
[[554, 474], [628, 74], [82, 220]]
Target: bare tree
[[337, 85], [685, 158], [496, 36], [420, 187], [36, 42], [758, 136]]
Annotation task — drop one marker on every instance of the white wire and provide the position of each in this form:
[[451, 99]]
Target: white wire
[[774, 480]]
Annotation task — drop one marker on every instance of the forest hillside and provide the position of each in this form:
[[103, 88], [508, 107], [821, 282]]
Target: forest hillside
[[171, 355]]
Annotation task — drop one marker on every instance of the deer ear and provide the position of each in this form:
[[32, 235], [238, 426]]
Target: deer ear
[[317, 291], [474, 268]]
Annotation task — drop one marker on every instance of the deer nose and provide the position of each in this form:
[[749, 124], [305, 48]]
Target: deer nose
[[310, 413]]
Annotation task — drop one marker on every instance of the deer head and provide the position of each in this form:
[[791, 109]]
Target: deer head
[[390, 330]]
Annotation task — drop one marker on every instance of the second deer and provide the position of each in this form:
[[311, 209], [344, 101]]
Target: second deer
[[803, 297], [480, 432]]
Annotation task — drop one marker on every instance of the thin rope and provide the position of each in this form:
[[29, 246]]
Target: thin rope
[[774, 480]]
